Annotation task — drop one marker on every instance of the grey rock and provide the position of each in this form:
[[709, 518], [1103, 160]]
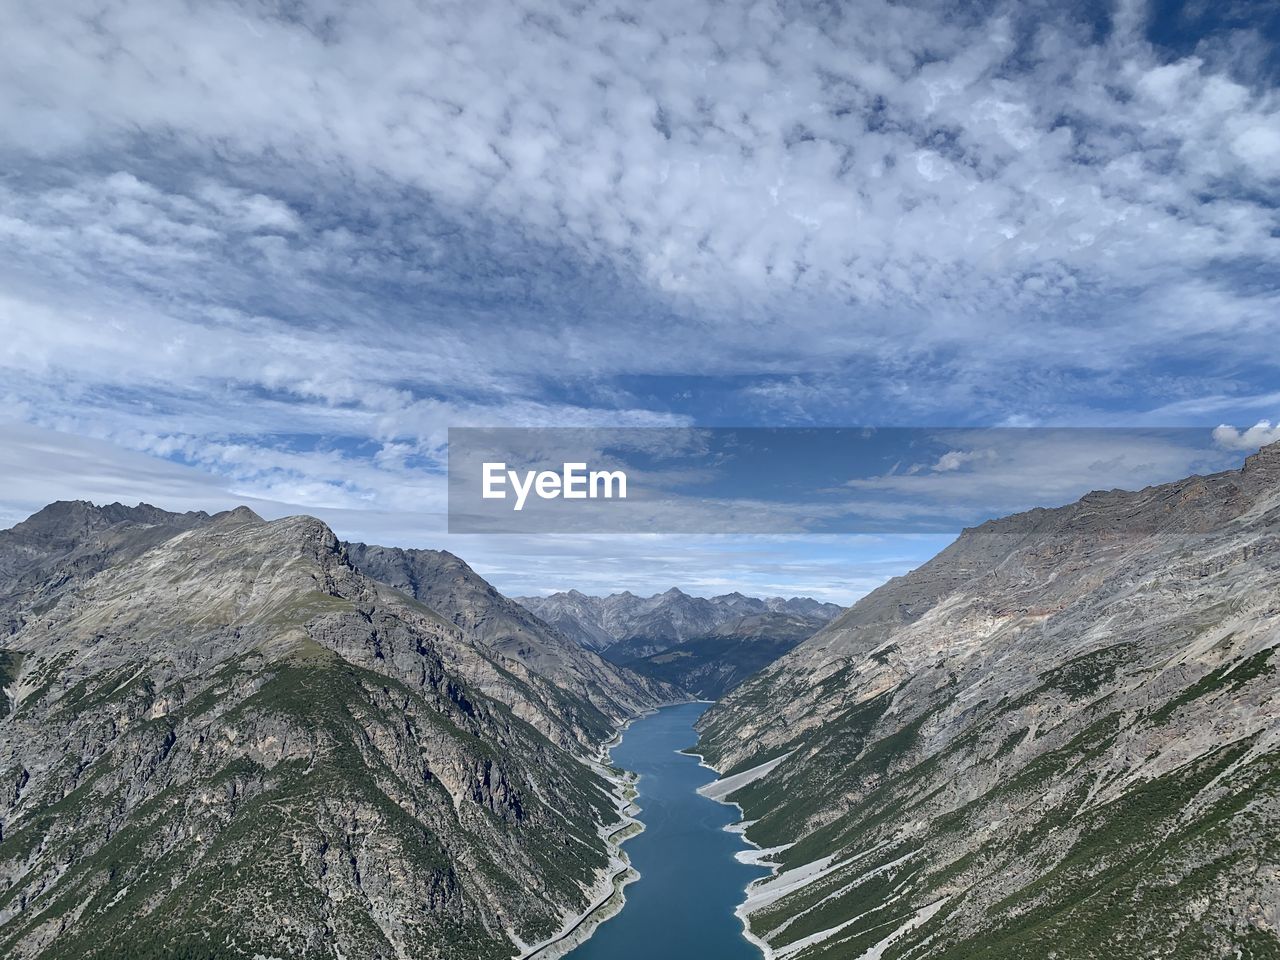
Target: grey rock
[[226, 739], [664, 620], [1059, 737], [448, 585]]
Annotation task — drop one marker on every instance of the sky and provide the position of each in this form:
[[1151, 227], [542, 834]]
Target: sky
[[269, 252]]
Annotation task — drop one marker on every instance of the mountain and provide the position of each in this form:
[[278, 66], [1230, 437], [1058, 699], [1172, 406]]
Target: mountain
[[226, 739], [60, 547], [607, 695], [1060, 737], [663, 620], [708, 667], [703, 646]]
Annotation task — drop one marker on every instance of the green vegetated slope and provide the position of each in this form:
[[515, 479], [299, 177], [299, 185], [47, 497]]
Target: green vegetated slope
[[235, 743], [1059, 738], [710, 666]]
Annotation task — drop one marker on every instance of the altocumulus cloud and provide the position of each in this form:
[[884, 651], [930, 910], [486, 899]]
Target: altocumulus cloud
[[288, 244]]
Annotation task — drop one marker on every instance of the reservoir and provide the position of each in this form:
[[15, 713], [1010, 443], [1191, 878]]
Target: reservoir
[[682, 906]]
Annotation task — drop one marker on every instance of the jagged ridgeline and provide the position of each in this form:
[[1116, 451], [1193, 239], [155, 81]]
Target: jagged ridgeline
[[1059, 738], [223, 738], [705, 646]]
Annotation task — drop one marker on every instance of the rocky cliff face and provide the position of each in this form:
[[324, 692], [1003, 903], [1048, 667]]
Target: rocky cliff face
[[597, 695], [66, 543], [1060, 737], [600, 622], [229, 741]]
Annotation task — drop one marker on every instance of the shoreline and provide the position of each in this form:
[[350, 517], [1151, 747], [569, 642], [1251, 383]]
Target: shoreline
[[608, 896], [754, 856]]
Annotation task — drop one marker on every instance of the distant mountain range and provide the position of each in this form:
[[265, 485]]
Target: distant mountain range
[[599, 623], [1060, 737], [227, 737], [705, 646], [708, 667]]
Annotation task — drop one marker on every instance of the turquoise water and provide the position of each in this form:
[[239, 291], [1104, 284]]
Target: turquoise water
[[682, 906]]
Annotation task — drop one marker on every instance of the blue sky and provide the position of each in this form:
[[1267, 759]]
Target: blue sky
[[270, 252]]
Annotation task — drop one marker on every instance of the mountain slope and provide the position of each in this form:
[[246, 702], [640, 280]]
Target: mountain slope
[[58, 548], [605, 694], [709, 667], [1060, 737], [235, 743]]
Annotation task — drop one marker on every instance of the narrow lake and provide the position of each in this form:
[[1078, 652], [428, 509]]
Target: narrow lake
[[682, 906]]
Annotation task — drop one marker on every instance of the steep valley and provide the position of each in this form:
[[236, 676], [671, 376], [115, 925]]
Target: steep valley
[[223, 737]]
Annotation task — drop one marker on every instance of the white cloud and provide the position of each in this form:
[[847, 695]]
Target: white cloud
[[720, 152], [1017, 469], [291, 245], [43, 465], [955, 459], [1250, 439]]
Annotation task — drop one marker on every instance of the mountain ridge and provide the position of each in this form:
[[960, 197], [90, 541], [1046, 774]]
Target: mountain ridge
[[703, 646], [669, 617], [234, 742], [80, 539], [1060, 734], [447, 584]]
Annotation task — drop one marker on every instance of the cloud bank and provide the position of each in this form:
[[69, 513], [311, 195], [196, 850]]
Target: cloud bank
[[288, 245]]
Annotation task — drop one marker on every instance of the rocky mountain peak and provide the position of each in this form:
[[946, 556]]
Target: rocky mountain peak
[[195, 705], [451, 587], [1263, 466], [62, 546], [661, 620], [240, 514], [69, 518], [61, 511]]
